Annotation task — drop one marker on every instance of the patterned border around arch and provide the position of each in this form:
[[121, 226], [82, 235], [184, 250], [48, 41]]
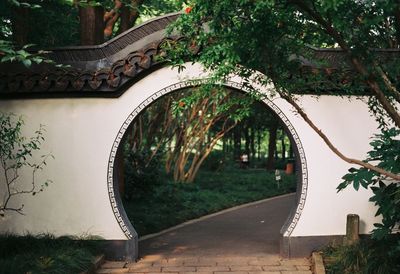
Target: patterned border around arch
[[117, 205]]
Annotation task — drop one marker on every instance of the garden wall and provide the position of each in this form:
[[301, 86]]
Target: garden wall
[[83, 135]]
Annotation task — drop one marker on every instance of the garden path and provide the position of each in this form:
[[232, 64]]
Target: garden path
[[244, 240]]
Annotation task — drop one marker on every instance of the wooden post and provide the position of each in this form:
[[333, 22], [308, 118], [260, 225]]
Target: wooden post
[[352, 229]]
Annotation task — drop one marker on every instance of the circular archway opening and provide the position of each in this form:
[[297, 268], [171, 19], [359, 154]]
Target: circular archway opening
[[244, 156]]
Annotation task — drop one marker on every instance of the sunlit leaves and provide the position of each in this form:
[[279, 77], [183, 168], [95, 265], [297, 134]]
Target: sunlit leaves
[[9, 54]]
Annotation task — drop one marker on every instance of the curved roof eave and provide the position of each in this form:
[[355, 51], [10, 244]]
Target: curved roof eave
[[106, 70]]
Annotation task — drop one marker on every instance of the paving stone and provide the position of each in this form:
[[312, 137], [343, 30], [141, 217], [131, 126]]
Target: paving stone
[[246, 268], [265, 272], [265, 261], [139, 264], [112, 270], [303, 267], [178, 269], [168, 263], [152, 258], [162, 273], [210, 261], [212, 268], [199, 263], [234, 272], [145, 269], [113, 264], [279, 267], [190, 261], [296, 272], [300, 261], [196, 272], [180, 260], [232, 261]]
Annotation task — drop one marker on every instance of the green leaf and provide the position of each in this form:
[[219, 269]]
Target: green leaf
[[28, 46], [27, 63]]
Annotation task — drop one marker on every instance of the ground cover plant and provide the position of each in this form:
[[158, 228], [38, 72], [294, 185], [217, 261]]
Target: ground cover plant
[[368, 256], [169, 203], [45, 254]]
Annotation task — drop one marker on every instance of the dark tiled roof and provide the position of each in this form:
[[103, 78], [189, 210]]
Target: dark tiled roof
[[107, 69], [101, 70]]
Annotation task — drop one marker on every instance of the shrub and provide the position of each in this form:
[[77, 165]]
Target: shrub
[[141, 177], [369, 256], [45, 254]]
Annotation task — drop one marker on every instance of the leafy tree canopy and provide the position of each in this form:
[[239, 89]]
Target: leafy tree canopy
[[275, 37]]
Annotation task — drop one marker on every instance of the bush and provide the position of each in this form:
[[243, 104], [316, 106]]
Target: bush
[[141, 178], [45, 254], [369, 256]]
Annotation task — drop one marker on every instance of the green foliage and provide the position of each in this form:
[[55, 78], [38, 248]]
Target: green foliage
[[45, 254], [153, 8], [53, 23], [386, 193], [22, 4], [141, 176], [9, 54], [216, 161], [369, 256], [16, 152], [171, 203], [242, 36], [220, 102]]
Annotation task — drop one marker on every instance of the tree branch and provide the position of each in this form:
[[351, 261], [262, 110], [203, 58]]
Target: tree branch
[[379, 94], [388, 83], [291, 101]]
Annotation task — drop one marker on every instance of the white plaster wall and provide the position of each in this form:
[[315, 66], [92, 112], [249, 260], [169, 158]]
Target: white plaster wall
[[349, 126], [80, 133]]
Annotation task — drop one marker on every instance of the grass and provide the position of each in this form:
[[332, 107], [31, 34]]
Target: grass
[[170, 203], [368, 256], [45, 254]]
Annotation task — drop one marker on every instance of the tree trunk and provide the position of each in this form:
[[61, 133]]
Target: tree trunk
[[291, 151], [247, 139], [129, 15], [272, 146], [20, 26], [237, 147], [252, 144], [283, 148], [91, 25], [125, 22], [259, 144]]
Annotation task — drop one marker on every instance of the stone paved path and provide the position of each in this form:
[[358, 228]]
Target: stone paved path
[[263, 264], [241, 241]]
